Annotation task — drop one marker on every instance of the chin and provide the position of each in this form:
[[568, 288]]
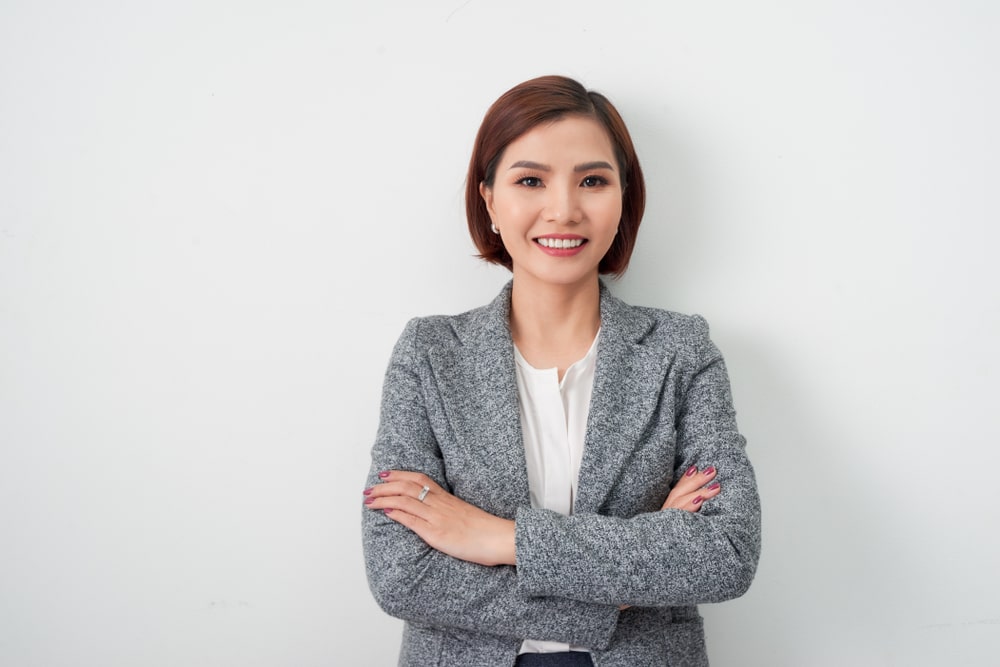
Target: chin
[[558, 278]]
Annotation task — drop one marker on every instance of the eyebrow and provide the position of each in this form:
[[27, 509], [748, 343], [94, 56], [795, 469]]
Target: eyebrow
[[586, 166], [590, 166]]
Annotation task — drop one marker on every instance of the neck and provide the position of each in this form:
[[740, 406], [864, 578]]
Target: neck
[[544, 315]]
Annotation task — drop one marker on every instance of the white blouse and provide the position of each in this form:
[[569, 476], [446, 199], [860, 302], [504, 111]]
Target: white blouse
[[553, 425]]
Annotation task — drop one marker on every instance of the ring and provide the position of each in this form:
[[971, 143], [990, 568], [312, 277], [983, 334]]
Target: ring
[[423, 493]]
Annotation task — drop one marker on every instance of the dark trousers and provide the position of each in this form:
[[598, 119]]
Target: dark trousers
[[567, 659]]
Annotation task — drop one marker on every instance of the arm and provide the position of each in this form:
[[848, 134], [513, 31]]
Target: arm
[[413, 581], [662, 558]]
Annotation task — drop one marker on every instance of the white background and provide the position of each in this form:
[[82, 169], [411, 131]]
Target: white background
[[215, 218]]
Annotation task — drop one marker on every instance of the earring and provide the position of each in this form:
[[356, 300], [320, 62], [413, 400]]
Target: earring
[[494, 228]]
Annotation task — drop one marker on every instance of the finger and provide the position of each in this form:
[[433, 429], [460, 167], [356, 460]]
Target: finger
[[418, 478], [702, 496], [398, 488], [692, 501], [692, 480], [698, 478], [384, 496], [406, 504]]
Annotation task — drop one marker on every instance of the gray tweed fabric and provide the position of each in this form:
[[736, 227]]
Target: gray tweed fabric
[[661, 403]]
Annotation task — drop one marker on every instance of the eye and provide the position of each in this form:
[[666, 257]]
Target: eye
[[530, 181], [594, 181]]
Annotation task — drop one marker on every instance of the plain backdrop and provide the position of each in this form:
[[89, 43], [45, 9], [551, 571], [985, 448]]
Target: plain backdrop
[[215, 218]]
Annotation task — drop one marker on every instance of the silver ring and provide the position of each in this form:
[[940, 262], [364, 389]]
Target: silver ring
[[423, 493]]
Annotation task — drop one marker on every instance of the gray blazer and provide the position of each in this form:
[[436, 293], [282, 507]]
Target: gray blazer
[[661, 403]]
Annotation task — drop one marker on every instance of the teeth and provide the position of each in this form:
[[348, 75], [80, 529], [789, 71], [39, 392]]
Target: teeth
[[560, 243]]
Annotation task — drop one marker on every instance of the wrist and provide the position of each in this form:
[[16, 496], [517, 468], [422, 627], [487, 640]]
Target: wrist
[[504, 551]]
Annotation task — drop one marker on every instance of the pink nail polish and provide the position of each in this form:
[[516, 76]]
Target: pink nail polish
[[690, 471], [713, 486], [697, 501], [387, 510], [384, 474], [369, 501], [367, 492], [709, 470]]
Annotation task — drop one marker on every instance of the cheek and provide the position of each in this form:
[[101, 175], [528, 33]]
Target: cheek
[[611, 211], [512, 210]]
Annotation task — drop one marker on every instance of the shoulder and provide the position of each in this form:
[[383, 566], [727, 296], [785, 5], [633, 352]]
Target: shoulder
[[677, 332], [681, 329], [439, 330], [671, 323], [486, 324]]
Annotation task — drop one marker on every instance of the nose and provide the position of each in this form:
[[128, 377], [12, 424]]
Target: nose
[[562, 204]]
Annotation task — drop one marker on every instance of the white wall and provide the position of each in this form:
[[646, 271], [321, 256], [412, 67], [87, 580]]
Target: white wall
[[215, 218]]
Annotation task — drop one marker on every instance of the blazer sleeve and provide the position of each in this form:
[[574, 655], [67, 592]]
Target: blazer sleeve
[[664, 558], [415, 582]]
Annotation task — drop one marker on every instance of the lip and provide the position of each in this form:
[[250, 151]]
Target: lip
[[561, 252]]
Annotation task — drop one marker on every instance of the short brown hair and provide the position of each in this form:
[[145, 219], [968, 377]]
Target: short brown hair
[[545, 100]]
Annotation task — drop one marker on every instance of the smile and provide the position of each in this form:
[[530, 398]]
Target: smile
[[560, 243]]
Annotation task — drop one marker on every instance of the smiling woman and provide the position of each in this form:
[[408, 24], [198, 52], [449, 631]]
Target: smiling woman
[[556, 192], [557, 477], [535, 104]]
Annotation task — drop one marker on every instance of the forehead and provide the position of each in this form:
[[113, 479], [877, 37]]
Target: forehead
[[573, 138]]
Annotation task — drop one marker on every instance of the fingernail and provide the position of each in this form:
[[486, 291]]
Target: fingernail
[[384, 474], [709, 470], [697, 501], [690, 471], [367, 492], [387, 510], [369, 501], [713, 486]]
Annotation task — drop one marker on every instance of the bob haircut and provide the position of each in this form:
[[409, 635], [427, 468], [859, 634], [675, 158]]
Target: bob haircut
[[546, 100]]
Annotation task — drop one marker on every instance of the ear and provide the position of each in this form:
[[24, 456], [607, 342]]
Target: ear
[[487, 194]]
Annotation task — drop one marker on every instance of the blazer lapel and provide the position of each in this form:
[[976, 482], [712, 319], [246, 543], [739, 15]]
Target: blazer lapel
[[478, 389], [477, 385], [627, 384]]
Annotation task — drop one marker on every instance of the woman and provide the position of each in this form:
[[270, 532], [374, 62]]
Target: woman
[[557, 477]]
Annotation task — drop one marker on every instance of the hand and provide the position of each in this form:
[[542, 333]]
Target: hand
[[445, 522], [690, 491]]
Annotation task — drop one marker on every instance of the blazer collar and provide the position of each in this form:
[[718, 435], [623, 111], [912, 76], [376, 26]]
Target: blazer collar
[[477, 384], [478, 387], [628, 382]]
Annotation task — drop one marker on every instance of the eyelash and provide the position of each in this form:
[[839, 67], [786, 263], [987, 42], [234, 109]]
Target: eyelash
[[598, 181]]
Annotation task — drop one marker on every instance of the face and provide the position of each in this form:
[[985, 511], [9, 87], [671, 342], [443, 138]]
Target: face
[[557, 201]]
